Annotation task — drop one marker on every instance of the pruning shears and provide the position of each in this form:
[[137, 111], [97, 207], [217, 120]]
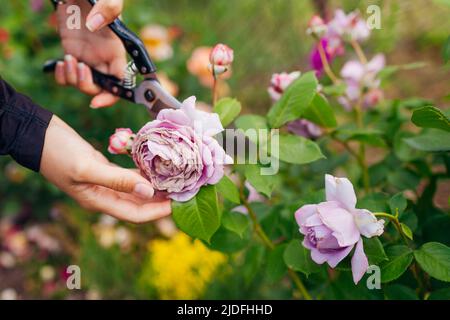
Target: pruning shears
[[149, 92]]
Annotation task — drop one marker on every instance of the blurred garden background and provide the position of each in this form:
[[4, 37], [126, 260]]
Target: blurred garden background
[[42, 231]]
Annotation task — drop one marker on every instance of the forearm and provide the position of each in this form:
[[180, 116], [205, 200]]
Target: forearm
[[23, 125]]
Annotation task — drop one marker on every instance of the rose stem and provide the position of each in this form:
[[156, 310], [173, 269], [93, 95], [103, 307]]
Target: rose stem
[[326, 65], [414, 267], [359, 52], [214, 88], [266, 240]]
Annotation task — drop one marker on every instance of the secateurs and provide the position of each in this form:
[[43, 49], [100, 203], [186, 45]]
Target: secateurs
[[149, 92]]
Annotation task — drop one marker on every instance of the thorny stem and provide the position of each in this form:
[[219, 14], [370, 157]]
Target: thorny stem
[[326, 65], [269, 244]]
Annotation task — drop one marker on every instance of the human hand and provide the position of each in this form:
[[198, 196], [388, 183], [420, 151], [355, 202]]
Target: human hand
[[91, 45], [74, 166]]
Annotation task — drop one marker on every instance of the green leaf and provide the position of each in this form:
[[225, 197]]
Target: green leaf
[[298, 258], [262, 183], [228, 190], [406, 231], [398, 203], [430, 117], [400, 292], [236, 222], [434, 258], [400, 257], [276, 268], [228, 241], [374, 250], [295, 100], [200, 216], [297, 150], [369, 136], [321, 113], [446, 49], [390, 70], [227, 109], [442, 294], [252, 122], [432, 140], [336, 90]]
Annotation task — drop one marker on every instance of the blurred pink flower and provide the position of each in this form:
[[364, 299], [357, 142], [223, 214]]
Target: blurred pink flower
[[280, 82], [220, 59], [4, 35], [157, 39], [37, 5], [304, 128], [121, 141], [44, 241], [198, 65], [349, 27], [253, 196], [361, 78], [333, 228], [316, 27]]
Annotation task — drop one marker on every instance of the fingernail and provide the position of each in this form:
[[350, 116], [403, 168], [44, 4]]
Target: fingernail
[[144, 190], [68, 58], [92, 106], [81, 73], [60, 64], [95, 22]]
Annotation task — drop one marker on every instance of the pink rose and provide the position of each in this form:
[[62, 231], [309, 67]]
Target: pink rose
[[221, 55], [348, 26], [333, 228], [280, 82], [316, 27], [120, 142], [177, 153]]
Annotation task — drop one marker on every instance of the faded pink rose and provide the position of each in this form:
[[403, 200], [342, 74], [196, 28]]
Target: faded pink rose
[[348, 26], [280, 82], [177, 153], [221, 55], [334, 227], [360, 78], [316, 27], [120, 142]]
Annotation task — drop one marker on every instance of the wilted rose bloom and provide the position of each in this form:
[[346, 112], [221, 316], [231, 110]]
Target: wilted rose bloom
[[280, 82], [304, 128], [316, 27], [157, 39], [360, 78], [177, 152], [348, 27], [220, 58], [198, 65], [120, 142], [334, 227]]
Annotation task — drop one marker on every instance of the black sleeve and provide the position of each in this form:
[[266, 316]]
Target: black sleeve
[[22, 127]]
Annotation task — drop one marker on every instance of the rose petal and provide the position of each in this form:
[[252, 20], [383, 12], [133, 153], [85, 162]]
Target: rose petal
[[359, 262], [367, 223], [340, 190]]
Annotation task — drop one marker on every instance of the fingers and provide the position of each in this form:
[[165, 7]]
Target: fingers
[[77, 74], [103, 99], [116, 178], [103, 13], [110, 202]]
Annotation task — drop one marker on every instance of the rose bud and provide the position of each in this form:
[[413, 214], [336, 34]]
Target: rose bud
[[280, 82], [221, 55], [316, 27], [372, 98], [177, 153], [121, 141]]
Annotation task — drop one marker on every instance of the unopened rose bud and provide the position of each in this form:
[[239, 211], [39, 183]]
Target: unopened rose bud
[[121, 141], [217, 69], [316, 27], [221, 55]]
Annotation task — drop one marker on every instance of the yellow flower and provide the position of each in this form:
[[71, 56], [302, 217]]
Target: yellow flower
[[181, 268]]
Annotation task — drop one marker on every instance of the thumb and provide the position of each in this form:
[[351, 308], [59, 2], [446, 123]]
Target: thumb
[[103, 13], [120, 179]]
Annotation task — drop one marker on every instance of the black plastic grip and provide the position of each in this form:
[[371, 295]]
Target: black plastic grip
[[107, 82]]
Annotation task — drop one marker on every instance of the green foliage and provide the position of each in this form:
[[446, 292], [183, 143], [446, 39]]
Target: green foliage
[[199, 217], [431, 117], [294, 101], [321, 113], [297, 150], [262, 183], [227, 189], [227, 109], [399, 259], [298, 258], [434, 258]]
